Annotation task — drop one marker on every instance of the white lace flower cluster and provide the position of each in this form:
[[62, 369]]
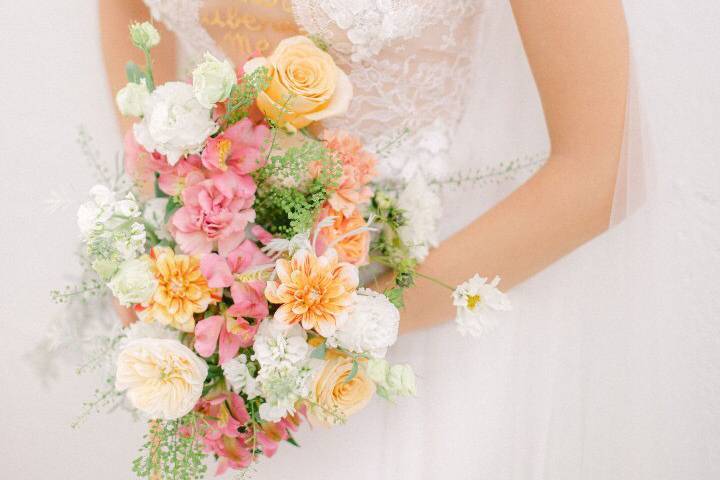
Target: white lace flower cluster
[[285, 373], [115, 237], [422, 210], [476, 300]]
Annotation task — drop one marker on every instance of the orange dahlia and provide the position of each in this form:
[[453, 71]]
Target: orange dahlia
[[315, 291], [182, 290]]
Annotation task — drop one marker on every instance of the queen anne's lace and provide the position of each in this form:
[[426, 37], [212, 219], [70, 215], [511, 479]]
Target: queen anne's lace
[[408, 60]]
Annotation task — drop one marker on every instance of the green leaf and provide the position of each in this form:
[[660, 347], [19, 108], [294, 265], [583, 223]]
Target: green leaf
[[134, 72], [319, 351], [292, 441], [173, 205], [353, 372], [395, 295], [159, 193]]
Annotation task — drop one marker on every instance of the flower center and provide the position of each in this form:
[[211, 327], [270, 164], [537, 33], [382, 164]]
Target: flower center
[[223, 149], [473, 301]]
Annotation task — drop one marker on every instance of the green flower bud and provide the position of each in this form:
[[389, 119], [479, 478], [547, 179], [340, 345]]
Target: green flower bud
[[144, 35]]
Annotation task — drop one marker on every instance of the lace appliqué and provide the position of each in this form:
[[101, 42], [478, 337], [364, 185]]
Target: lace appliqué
[[408, 60]]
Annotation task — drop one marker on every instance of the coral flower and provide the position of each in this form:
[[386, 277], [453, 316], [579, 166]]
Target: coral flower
[[358, 167], [314, 291], [349, 236], [182, 290]]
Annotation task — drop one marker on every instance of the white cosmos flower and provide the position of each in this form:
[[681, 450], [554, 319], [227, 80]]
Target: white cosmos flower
[[475, 300], [370, 327], [163, 378], [277, 343], [174, 122], [422, 210]]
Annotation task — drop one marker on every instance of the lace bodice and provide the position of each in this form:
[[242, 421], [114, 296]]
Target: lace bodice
[[409, 61]]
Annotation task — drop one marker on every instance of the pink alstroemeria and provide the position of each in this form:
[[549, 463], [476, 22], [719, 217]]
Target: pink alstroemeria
[[220, 270], [225, 413], [261, 234], [214, 214], [238, 148], [187, 171], [225, 333]]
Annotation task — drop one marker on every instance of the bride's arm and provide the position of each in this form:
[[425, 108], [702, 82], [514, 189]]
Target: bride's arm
[[115, 17], [578, 52]]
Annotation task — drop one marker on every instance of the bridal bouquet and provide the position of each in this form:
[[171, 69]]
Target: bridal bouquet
[[236, 252]]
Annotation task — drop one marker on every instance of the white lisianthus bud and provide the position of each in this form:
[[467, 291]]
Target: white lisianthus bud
[[401, 380], [391, 381], [134, 282], [131, 99], [144, 35], [213, 80]]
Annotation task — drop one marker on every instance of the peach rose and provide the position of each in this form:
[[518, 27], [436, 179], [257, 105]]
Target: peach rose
[[305, 84], [335, 398]]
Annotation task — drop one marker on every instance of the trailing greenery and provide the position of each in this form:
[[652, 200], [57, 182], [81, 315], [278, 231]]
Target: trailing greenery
[[288, 196], [171, 450]]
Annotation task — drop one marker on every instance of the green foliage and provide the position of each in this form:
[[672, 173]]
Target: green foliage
[[134, 72], [287, 200], [83, 291], [395, 296], [244, 94], [106, 398], [171, 450]]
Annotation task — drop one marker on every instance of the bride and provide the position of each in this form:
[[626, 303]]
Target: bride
[[535, 398]]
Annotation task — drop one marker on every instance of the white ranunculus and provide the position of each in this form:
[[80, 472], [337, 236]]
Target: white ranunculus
[[213, 80], [370, 327], [238, 377], [131, 99], [476, 300], [174, 124], [163, 378], [422, 210], [276, 343], [134, 282], [144, 35]]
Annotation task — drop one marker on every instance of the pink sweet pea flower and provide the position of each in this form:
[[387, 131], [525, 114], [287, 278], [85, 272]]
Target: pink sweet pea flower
[[238, 148], [214, 214]]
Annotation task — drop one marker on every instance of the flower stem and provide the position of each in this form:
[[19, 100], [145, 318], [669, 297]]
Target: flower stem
[[435, 280]]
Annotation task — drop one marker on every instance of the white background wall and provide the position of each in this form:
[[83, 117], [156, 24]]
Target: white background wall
[[52, 80]]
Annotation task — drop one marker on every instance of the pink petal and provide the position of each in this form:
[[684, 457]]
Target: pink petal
[[217, 271], [206, 334], [237, 408], [261, 234], [229, 345]]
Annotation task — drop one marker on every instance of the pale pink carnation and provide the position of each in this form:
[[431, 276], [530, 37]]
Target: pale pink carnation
[[214, 214], [358, 167]]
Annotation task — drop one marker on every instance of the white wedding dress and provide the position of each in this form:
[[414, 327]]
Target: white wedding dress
[[568, 386]]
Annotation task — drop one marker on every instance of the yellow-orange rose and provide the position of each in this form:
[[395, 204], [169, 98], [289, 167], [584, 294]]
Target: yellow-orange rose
[[335, 397], [305, 84]]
